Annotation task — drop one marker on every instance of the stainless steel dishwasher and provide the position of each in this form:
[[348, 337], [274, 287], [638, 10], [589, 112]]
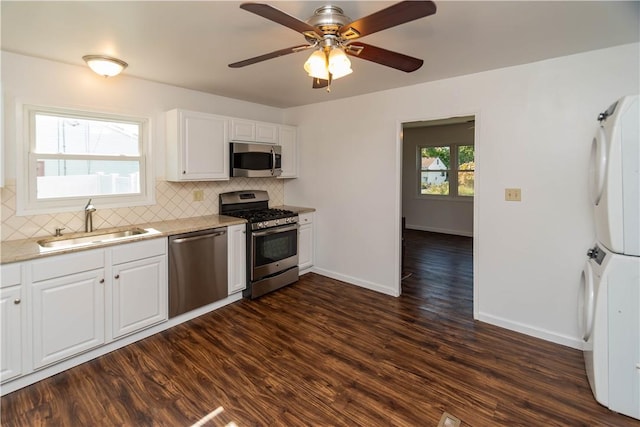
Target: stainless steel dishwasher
[[197, 269]]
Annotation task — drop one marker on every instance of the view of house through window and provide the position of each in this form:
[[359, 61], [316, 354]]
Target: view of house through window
[[446, 170], [82, 156]]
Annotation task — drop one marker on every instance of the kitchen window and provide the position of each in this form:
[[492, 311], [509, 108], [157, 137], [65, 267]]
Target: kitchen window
[[446, 170], [72, 156]]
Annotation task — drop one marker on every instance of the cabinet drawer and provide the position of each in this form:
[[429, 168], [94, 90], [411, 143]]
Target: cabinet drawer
[[305, 218], [10, 274], [139, 250], [66, 264]]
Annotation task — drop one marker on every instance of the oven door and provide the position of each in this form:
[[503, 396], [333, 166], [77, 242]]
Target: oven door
[[273, 250]]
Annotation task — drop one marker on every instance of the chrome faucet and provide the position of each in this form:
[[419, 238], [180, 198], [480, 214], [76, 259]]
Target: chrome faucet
[[88, 217]]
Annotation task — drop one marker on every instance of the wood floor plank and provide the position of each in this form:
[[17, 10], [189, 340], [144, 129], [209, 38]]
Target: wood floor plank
[[325, 353]]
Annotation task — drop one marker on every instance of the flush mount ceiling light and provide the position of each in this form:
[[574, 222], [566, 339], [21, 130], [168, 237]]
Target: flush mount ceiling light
[[332, 35], [106, 66]]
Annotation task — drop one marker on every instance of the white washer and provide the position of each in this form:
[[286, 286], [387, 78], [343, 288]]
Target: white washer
[[614, 177], [610, 322], [592, 318]]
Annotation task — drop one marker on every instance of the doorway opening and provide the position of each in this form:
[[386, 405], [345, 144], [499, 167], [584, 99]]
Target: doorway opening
[[438, 172]]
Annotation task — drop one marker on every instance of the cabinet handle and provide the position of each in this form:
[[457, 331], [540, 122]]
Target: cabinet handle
[[184, 172], [101, 280], [117, 276], [17, 301]]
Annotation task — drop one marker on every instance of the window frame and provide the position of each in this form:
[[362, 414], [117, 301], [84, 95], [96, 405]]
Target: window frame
[[452, 171], [26, 191]]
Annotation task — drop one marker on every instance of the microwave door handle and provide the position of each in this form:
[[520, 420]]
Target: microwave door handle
[[273, 162]]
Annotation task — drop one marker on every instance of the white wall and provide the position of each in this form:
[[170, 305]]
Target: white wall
[[433, 214], [41, 82], [530, 120]]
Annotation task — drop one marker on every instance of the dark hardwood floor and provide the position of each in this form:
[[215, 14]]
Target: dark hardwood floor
[[325, 353]]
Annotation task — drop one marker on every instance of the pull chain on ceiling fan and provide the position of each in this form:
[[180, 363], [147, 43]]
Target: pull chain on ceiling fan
[[333, 36]]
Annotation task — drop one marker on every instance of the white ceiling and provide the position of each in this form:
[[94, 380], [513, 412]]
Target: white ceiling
[[190, 43]]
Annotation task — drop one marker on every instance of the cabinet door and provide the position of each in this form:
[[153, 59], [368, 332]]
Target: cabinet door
[[10, 332], [305, 246], [288, 142], [68, 316], [197, 147], [205, 147], [139, 294], [237, 257], [250, 131], [243, 130], [266, 132]]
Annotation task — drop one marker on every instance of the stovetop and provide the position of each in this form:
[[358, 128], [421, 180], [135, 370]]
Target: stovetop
[[259, 219], [254, 207], [255, 215]]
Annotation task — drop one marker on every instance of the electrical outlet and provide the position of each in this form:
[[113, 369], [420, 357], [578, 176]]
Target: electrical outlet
[[198, 195], [512, 194]]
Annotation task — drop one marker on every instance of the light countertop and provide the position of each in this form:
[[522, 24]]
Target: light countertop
[[28, 249]]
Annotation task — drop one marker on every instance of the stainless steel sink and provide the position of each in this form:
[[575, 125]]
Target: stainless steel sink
[[88, 239]]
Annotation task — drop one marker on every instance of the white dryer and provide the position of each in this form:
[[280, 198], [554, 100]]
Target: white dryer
[[610, 322], [614, 177]]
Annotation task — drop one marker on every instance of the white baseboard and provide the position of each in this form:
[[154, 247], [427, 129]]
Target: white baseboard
[[532, 331], [522, 328], [465, 233], [355, 281]]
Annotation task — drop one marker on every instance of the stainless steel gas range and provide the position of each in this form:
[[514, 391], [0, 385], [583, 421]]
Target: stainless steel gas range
[[272, 240]]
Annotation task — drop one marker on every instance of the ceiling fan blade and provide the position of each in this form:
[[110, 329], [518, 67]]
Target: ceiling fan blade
[[270, 55], [282, 18], [396, 14], [382, 56], [320, 83]]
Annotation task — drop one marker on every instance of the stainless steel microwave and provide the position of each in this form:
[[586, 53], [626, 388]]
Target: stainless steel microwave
[[252, 159]]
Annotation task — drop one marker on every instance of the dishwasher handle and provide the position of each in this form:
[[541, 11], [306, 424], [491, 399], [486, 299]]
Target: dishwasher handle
[[204, 236]]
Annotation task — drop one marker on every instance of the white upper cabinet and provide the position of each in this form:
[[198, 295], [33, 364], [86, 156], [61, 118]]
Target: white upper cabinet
[[288, 141], [251, 131], [197, 146]]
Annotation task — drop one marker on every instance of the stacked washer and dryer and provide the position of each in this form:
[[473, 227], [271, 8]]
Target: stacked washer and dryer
[[609, 311]]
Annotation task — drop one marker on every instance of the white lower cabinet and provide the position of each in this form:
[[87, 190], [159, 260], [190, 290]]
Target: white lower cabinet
[[11, 308], [68, 316], [237, 257], [139, 295], [139, 288], [80, 301], [305, 241]]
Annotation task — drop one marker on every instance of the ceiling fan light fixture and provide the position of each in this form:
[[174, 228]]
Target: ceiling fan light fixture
[[103, 65], [339, 64], [316, 65]]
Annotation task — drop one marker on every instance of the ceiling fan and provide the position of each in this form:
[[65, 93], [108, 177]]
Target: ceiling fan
[[333, 36]]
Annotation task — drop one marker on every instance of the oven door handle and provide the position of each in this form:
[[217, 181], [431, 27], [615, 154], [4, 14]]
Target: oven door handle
[[274, 230]]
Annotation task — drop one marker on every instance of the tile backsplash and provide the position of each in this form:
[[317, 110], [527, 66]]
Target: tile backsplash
[[174, 200]]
